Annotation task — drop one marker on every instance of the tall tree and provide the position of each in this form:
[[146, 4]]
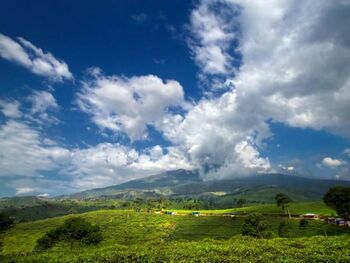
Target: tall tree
[[338, 198], [283, 200], [5, 222]]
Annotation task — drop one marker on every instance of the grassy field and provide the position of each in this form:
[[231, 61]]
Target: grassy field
[[271, 209], [130, 236]]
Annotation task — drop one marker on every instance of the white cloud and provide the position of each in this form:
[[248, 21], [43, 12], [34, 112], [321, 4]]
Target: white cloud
[[107, 164], [217, 139], [33, 58], [128, 105], [213, 32], [24, 153], [332, 163], [296, 66], [10, 108], [295, 70], [347, 151], [43, 103], [24, 190]]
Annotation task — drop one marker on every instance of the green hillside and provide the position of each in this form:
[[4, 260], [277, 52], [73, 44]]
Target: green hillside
[[128, 234]]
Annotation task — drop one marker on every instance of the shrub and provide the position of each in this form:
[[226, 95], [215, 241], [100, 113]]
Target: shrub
[[5, 222], [285, 229], [255, 226], [73, 230], [303, 223]]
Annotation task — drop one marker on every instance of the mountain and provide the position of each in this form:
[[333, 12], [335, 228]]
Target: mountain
[[183, 183]]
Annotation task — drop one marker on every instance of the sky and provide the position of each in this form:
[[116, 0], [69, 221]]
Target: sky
[[97, 93]]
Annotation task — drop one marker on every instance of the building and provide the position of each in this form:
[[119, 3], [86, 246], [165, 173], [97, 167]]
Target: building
[[310, 216]]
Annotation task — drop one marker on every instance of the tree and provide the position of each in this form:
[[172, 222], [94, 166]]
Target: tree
[[283, 200], [73, 230], [254, 226], [137, 204], [5, 222], [241, 202], [338, 198]]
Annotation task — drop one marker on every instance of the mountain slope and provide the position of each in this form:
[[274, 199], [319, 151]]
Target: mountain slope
[[182, 183]]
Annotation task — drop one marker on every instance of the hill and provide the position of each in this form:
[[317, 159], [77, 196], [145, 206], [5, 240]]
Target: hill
[[182, 183]]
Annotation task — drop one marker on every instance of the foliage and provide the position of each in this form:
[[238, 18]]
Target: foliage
[[72, 230], [5, 221], [338, 198], [303, 223], [241, 202], [126, 227], [255, 226], [282, 200], [285, 229], [238, 249]]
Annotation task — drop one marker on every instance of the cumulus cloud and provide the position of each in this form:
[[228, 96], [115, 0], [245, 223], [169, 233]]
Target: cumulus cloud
[[332, 163], [33, 58], [128, 105], [107, 164], [23, 152], [213, 31], [295, 70], [218, 139], [296, 63]]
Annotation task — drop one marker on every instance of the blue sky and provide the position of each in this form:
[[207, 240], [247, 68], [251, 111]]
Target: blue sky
[[96, 94]]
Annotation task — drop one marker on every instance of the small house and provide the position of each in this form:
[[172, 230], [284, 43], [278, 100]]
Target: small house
[[310, 216]]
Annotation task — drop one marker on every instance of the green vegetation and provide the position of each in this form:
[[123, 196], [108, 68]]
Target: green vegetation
[[5, 222], [73, 230], [338, 198], [255, 226], [128, 234], [237, 249], [135, 231], [271, 209], [283, 200]]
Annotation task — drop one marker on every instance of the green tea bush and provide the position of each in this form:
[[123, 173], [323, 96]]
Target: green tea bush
[[72, 230], [255, 226], [285, 229]]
